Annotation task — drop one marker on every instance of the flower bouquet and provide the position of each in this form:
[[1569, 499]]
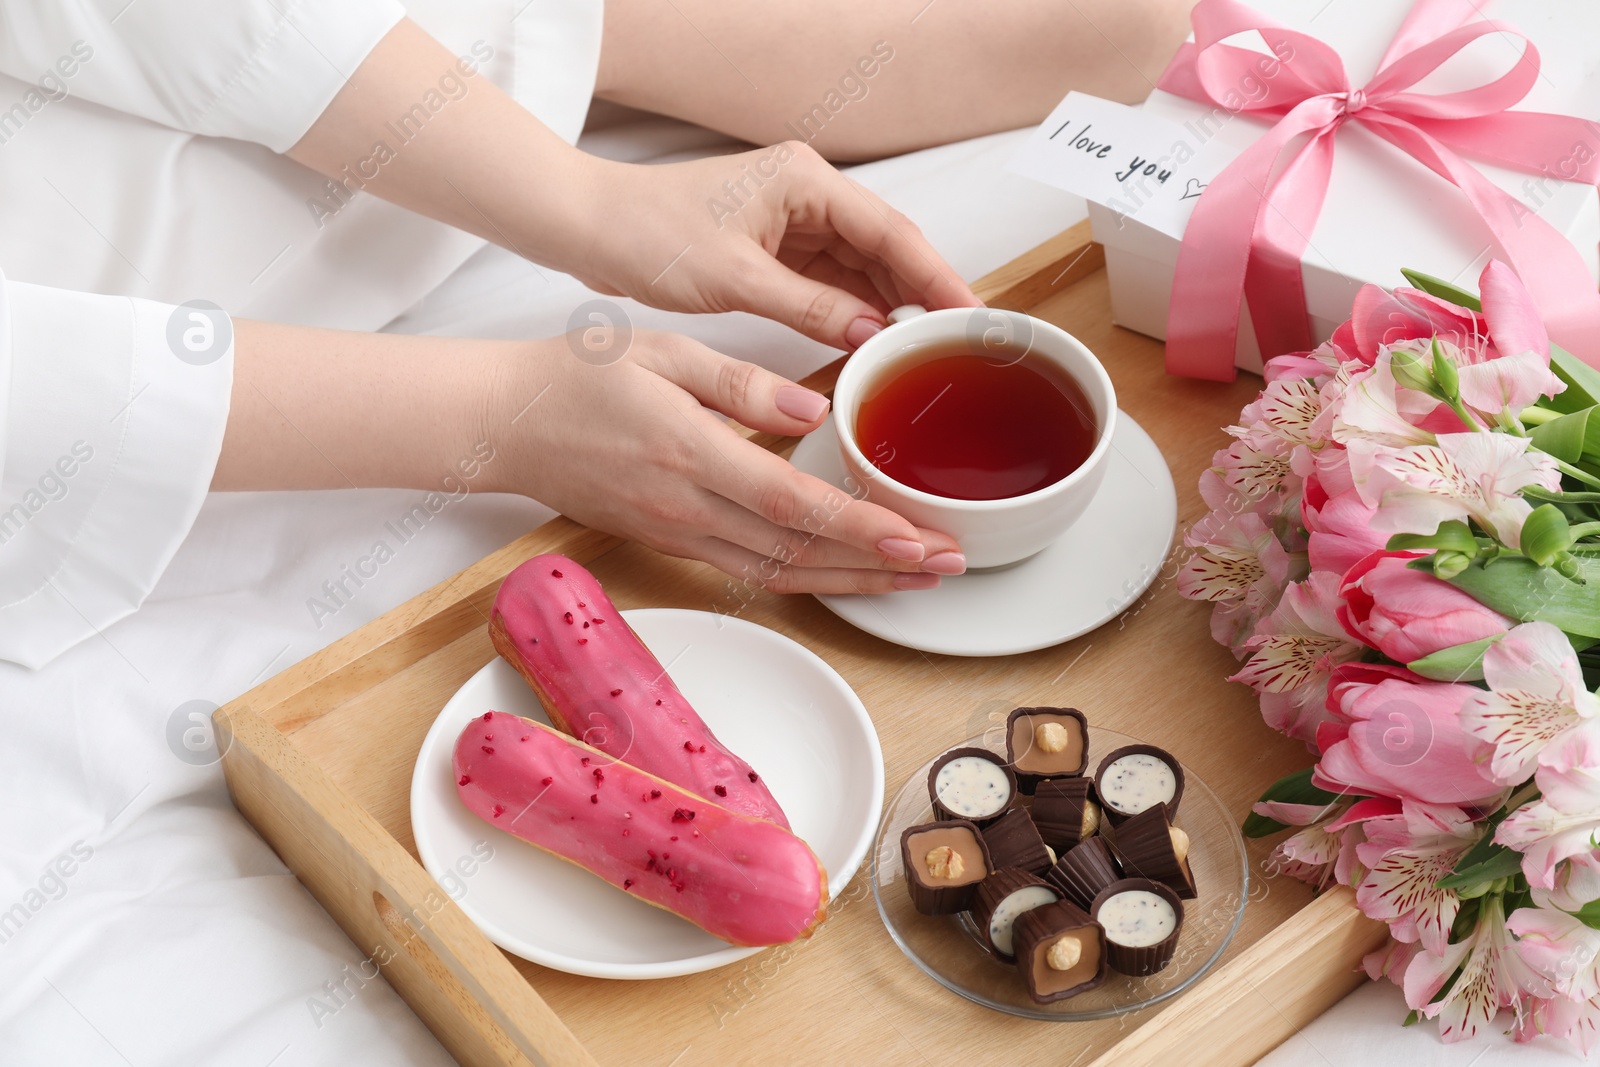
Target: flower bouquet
[[1404, 552]]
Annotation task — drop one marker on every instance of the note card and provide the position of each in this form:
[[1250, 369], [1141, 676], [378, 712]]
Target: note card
[[1121, 157]]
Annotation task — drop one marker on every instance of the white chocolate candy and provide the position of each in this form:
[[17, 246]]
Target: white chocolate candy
[[1137, 918], [972, 787], [1005, 916], [1136, 782]]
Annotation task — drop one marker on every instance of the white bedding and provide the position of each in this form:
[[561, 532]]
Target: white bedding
[[143, 923]]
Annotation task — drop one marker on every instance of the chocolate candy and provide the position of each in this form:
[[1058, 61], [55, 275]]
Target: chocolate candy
[[1046, 743], [1084, 871], [944, 862], [1149, 846], [1060, 950], [1014, 842], [1136, 777], [1004, 895], [1142, 920], [1065, 812], [971, 783]]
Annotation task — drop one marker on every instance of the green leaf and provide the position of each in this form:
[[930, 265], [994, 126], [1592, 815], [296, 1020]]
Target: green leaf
[[1442, 289], [1458, 663], [1293, 788], [1412, 1018], [1564, 438], [1589, 914], [1545, 535], [1583, 381], [1452, 535], [1473, 880], [1525, 591]]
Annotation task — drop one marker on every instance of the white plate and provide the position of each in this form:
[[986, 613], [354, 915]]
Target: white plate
[[1100, 566], [772, 701]]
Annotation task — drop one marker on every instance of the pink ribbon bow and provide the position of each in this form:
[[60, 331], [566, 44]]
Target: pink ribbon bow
[[1252, 223]]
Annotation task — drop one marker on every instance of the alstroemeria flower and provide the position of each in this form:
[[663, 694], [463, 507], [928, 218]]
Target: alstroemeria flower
[[1493, 976], [1465, 476], [1371, 410], [1577, 1021], [1295, 649], [1232, 553], [1563, 949], [1565, 821], [1536, 695], [1405, 856]]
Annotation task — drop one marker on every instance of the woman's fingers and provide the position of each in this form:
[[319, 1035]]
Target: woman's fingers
[[881, 233], [805, 548], [822, 312], [766, 484], [745, 392], [762, 572]]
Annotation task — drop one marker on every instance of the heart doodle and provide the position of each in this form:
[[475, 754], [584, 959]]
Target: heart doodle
[[1192, 188]]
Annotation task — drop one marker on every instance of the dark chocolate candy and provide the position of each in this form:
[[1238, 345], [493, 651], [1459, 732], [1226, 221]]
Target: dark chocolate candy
[[944, 888], [1063, 809], [1137, 960], [1149, 846], [1030, 735], [1060, 950], [1002, 896], [1084, 871], [940, 811], [1014, 842], [1109, 791]]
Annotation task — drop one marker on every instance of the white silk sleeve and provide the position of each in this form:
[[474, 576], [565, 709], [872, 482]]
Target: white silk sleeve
[[112, 411], [253, 70]]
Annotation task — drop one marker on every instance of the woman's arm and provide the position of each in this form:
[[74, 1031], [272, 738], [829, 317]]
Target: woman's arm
[[636, 446], [777, 232]]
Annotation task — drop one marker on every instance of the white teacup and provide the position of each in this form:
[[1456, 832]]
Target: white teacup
[[992, 533]]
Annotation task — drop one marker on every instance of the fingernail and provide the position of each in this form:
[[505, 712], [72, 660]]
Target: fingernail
[[902, 548], [916, 581], [798, 402], [945, 563], [856, 334]]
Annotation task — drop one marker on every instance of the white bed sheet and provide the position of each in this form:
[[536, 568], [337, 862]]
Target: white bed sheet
[[142, 922]]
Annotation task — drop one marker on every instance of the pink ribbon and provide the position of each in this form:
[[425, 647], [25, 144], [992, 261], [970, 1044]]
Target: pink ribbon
[[1251, 225]]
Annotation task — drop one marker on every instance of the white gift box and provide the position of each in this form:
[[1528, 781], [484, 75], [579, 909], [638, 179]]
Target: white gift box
[[1384, 210]]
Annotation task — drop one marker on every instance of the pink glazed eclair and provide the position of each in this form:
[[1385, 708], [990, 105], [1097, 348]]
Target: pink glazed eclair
[[597, 682], [745, 880]]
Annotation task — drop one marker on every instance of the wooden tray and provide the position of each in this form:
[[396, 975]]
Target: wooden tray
[[319, 759]]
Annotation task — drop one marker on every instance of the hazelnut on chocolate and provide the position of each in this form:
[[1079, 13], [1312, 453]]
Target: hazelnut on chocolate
[[1046, 743], [1060, 950], [943, 864]]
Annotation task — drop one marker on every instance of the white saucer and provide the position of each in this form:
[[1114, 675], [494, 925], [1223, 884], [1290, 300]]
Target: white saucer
[[772, 701], [1102, 564]]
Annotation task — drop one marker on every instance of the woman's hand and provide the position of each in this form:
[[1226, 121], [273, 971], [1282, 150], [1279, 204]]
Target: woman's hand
[[637, 447], [631, 442], [777, 232]]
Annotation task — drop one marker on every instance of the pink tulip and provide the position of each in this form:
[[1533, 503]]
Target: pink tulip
[[1408, 614], [1340, 527], [1398, 735]]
